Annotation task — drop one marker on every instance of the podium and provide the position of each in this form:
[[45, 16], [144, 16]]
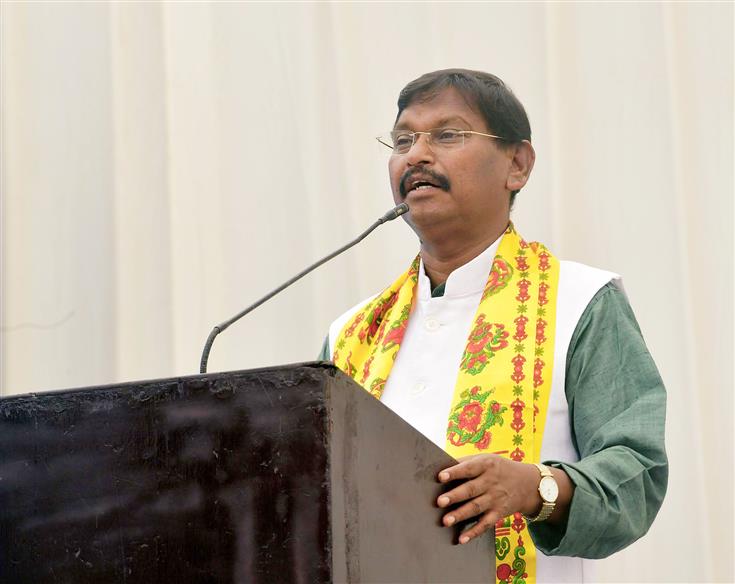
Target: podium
[[284, 474]]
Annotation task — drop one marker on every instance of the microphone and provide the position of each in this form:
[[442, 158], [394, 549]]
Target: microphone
[[389, 216]]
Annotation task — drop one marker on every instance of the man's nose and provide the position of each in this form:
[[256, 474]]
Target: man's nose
[[420, 152]]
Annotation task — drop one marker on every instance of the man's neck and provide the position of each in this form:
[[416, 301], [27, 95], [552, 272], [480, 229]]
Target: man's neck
[[442, 260]]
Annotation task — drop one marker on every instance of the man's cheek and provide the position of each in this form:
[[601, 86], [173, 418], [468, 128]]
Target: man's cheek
[[394, 185]]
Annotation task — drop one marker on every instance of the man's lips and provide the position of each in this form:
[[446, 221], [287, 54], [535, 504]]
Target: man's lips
[[413, 179]]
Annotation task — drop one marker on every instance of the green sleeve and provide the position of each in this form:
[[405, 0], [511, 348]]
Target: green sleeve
[[324, 354], [617, 407]]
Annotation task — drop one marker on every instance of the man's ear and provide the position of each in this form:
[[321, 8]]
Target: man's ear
[[521, 165]]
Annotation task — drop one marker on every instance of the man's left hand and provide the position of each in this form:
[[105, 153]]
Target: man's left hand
[[495, 488]]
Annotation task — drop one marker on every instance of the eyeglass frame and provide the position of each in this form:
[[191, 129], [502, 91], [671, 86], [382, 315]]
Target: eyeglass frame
[[429, 132]]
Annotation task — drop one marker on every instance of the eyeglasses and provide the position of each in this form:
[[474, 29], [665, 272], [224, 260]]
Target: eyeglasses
[[401, 141]]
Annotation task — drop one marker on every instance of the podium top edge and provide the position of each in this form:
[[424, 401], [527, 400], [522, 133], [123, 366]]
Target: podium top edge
[[326, 366]]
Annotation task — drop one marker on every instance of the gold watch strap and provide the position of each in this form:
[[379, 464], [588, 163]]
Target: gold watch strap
[[546, 508]]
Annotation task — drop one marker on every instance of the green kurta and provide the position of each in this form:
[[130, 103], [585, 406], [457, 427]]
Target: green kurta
[[617, 408]]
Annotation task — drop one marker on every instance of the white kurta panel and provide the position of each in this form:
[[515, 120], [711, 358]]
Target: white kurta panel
[[421, 383]]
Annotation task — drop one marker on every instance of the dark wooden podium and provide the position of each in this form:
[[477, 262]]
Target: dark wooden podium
[[286, 474]]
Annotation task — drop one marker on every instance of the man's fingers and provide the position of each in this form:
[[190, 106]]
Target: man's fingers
[[486, 522], [468, 490], [472, 508], [469, 468]]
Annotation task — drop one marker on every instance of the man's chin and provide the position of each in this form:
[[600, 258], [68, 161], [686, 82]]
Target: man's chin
[[426, 221], [429, 209]]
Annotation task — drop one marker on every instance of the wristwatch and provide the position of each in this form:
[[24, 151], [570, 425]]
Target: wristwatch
[[549, 491]]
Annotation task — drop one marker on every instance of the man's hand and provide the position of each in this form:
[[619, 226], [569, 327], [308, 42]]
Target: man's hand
[[495, 488]]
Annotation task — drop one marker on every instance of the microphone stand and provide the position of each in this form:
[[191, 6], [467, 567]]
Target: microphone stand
[[389, 216]]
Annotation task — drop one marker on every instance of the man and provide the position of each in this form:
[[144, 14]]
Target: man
[[501, 354]]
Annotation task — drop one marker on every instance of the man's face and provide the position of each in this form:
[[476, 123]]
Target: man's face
[[471, 194]]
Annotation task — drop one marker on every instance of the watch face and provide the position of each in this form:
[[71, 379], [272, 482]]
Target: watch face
[[549, 489]]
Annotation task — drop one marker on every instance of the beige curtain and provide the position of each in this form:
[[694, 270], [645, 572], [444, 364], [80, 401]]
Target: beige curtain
[[164, 165]]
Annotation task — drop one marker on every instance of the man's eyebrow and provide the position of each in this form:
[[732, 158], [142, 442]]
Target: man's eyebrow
[[449, 121]]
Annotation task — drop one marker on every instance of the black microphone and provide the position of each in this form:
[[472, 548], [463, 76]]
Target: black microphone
[[389, 216]]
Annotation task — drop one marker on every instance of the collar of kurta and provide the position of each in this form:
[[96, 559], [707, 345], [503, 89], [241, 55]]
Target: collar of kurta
[[465, 280]]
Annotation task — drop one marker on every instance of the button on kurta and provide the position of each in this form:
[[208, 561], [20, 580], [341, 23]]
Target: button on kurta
[[420, 387], [432, 324]]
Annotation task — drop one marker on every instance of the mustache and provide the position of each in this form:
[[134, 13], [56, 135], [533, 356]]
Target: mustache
[[441, 181]]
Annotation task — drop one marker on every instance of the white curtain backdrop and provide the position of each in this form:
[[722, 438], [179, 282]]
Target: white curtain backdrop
[[164, 165]]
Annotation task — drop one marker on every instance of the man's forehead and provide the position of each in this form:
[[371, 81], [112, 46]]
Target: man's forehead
[[443, 122], [447, 107]]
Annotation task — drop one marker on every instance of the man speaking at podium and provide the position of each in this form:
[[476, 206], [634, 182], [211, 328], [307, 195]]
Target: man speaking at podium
[[530, 370]]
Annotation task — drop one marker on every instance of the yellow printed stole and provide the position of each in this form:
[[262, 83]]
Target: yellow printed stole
[[504, 380]]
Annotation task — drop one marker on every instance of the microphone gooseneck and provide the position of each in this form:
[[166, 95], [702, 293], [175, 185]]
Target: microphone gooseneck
[[389, 216]]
